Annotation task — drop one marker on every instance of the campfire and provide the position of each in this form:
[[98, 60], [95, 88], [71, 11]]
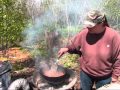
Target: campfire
[[43, 84], [50, 76]]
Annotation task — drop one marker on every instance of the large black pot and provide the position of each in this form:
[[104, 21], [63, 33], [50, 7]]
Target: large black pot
[[57, 79]]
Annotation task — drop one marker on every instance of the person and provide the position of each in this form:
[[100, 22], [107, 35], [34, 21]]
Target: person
[[99, 48]]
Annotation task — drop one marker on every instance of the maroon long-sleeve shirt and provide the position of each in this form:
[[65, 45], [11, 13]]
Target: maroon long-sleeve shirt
[[100, 53]]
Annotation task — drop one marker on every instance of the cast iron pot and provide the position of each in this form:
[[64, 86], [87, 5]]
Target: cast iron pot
[[55, 80]]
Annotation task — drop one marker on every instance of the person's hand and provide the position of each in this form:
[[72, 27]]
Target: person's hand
[[62, 51], [114, 80]]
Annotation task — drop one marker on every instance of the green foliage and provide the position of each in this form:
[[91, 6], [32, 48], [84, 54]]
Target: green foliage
[[17, 66], [69, 60], [70, 31], [112, 8], [40, 50], [12, 21]]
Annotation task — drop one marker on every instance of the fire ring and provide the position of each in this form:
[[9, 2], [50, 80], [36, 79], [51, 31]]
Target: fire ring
[[44, 85]]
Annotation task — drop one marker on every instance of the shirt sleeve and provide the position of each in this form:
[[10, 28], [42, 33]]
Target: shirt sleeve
[[75, 45], [116, 56]]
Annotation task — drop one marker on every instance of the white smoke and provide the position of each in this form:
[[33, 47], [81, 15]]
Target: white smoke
[[46, 14]]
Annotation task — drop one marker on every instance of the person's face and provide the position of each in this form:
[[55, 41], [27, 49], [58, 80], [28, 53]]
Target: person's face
[[92, 27], [96, 27]]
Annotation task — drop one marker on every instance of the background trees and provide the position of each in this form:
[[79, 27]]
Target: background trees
[[12, 22], [49, 16], [112, 8]]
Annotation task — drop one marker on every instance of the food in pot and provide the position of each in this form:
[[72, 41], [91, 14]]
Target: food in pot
[[53, 73]]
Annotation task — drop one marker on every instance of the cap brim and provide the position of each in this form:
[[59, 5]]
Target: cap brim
[[89, 24]]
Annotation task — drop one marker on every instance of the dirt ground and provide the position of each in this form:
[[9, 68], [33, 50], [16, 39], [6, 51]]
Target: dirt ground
[[14, 55], [20, 57]]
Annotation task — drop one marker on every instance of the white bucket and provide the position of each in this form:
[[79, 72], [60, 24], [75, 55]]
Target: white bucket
[[112, 86]]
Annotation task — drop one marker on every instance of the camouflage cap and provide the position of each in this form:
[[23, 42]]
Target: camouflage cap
[[94, 17]]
